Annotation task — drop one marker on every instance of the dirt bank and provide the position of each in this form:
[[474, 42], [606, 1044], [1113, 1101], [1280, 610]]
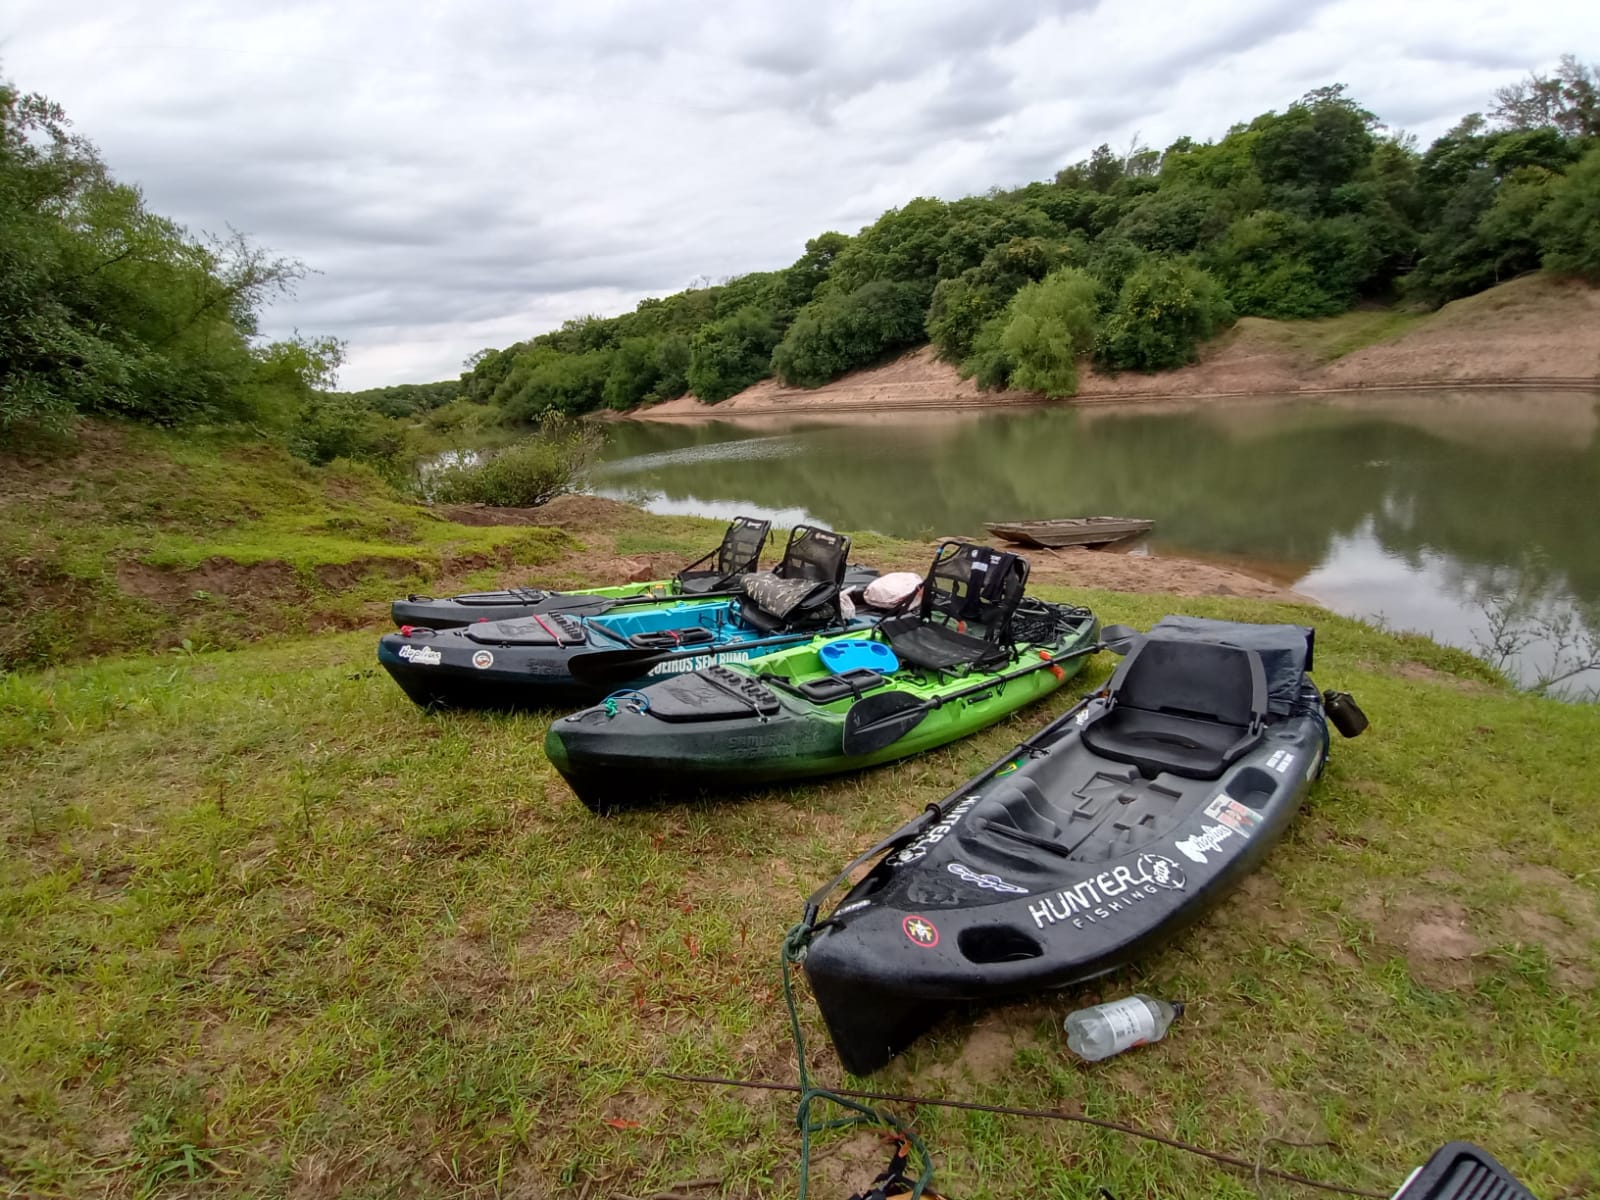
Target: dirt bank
[[1535, 330]]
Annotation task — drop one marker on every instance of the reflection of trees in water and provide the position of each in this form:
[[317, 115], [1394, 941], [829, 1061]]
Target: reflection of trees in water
[[1281, 493]]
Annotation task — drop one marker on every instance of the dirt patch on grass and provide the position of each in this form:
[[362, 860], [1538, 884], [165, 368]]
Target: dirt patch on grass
[[1421, 673], [337, 577], [1435, 935], [270, 580]]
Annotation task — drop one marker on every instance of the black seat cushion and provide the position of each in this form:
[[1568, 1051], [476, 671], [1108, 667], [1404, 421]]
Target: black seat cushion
[[1182, 706], [773, 604], [1156, 742], [936, 647]]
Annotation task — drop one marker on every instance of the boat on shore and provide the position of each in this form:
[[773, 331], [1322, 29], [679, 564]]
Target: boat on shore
[[1071, 531], [1089, 845], [976, 651]]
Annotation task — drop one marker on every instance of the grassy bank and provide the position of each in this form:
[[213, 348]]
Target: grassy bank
[[138, 539], [267, 929]]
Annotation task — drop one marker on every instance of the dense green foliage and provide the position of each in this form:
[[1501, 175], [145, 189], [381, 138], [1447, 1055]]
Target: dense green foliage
[[1301, 213], [1164, 311], [1036, 341], [108, 308], [526, 473]]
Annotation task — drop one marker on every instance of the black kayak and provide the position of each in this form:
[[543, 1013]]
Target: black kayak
[[715, 573], [1087, 846], [551, 659]]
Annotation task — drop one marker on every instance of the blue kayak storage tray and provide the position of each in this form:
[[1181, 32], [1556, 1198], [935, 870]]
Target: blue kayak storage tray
[[855, 654]]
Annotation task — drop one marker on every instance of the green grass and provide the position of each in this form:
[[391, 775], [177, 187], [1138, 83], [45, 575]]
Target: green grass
[[137, 539], [267, 929], [1328, 338]]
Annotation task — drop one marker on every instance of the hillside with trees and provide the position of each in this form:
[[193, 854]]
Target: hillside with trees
[[1132, 258]]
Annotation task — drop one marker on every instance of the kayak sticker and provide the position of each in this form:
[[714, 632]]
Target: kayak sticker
[[855, 906], [1280, 761], [1008, 768], [483, 660], [1240, 818], [932, 837], [991, 883], [1103, 896], [1208, 841], [921, 931], [420, 656], [698, 662]]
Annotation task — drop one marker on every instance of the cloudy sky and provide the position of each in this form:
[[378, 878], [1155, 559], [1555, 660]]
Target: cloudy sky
[[466, 175]]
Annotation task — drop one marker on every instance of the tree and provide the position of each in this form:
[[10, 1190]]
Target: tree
[[840, 332], [1568, 101], [1048, 325], [1568, 227], [729, 355], [1165, 310]]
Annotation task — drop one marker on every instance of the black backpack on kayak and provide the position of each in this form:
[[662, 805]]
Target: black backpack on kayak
[[969, 599], [802, 592]]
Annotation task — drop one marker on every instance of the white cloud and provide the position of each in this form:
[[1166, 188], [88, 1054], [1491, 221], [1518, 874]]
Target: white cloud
[[468, 175]]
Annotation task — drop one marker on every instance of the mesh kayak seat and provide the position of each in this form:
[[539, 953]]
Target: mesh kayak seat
[[1187, 707], [968, 587], [802, 592], [739, 554]]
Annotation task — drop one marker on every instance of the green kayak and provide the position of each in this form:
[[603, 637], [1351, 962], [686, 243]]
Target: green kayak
[[975, 651]]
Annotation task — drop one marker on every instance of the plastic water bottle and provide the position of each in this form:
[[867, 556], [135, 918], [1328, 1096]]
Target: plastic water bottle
[[1107, 1029]]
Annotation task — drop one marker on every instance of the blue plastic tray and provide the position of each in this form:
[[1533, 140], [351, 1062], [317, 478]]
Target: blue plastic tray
[[855, 654]]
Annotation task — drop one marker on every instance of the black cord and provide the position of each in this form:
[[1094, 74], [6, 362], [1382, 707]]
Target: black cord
[[1255, 1168]]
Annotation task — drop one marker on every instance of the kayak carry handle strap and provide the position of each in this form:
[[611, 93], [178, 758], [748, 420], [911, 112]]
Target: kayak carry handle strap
[[893, 842]]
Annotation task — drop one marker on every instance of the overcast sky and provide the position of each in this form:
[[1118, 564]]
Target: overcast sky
[[468, 174]]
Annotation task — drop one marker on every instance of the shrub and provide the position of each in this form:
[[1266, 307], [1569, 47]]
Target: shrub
[[1165, 310], [729, 355], [333, 425], [524, 474], [1048, 325], [843, 331], [1569, 226]]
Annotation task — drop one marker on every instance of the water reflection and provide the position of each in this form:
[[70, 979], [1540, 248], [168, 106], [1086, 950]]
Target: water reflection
[[1410, 506]]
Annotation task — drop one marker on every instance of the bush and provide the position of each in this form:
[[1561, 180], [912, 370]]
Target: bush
[[1569, 226], [526, 473], [1048, 325], [1165, 310], [334, 425], [840, 332], [729, 355]]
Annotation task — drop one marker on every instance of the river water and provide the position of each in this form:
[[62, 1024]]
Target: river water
[[1417, 509]]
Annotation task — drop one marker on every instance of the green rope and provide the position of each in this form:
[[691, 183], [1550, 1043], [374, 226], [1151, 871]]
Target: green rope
[[794, 950]]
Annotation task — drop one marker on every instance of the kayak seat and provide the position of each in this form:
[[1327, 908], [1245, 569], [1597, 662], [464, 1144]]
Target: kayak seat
[[739, 554], [802, 592], [1187, 707], [967, 587]]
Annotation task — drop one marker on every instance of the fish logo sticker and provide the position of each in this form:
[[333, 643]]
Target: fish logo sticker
[[1208, 840], [483, 660], [1162, 871], [992, 882], [420, 656], [921, 931]]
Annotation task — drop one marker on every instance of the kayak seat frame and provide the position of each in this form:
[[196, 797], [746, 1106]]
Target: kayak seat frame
[[812, 554], [1190, 708], [671, 639], [968, 585], [739, 554]]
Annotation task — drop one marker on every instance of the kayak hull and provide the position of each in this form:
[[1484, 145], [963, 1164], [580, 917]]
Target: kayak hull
[[535, 662], [1055, 866], [752, 730]]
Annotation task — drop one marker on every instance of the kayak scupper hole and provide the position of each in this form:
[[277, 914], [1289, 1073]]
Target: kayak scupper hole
[[1252, 786], [997, 944]]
